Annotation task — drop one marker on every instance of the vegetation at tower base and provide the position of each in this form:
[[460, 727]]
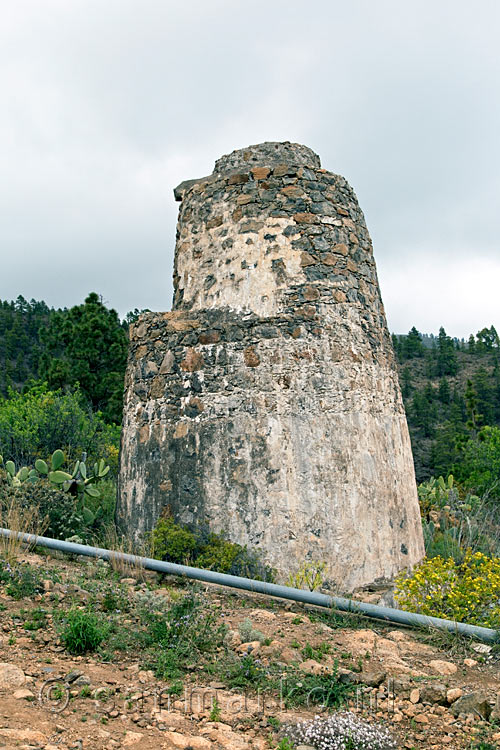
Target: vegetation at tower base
[[201, 548]]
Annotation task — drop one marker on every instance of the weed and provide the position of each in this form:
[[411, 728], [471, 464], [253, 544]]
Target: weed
[[309, 576], [249, 633], [22, 580], [83, 631], [36, 620], [186, 631], [317, 653], [215, 714]]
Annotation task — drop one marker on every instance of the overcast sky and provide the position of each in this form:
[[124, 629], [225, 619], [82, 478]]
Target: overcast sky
[[107, 105]]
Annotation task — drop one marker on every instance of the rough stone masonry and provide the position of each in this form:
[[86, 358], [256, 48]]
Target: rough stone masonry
[[267, 403]]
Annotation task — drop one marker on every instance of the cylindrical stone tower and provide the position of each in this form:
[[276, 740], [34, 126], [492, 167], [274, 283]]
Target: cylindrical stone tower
[[267, 403]]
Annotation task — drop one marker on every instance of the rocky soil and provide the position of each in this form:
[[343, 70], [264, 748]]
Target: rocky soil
[[434, 692]]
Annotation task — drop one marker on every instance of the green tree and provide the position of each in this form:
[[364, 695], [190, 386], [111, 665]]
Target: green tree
[[412, 344], [444, 393], [474, 417], [479, 465], [487, 339], [87, 346], [406, 382], [485, 393], [447, 363]]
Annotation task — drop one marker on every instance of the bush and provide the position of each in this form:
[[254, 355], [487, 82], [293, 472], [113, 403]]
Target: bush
[[479, 467], [21, 581], [36, 423], [178, 544], [83, 631], [185, 632], [248, 633], [466, 592], [342, 731], [57, 508], [172, 542], [455, 520]]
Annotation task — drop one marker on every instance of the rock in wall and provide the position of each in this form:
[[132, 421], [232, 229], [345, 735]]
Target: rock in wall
[[267, 402]]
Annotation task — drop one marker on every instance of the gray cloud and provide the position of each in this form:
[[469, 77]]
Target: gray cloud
[[107, 106]]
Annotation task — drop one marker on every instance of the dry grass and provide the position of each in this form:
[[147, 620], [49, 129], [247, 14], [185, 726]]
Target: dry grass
[[121, 546], [18, 519]]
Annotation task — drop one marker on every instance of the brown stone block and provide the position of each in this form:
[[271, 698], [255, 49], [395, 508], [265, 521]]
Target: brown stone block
[[329, 259], [237, 179], [341, 248], [306, 260], [260, 173], [241, 200], [144, 433], [157, 387], [310, 293], [237, 214], [353, 238], [308, 311], [141, 351], [181, 430], [196, 403], [292, 191], [216, 221], [251, 357], [209, 337], [193, 361], [351, 265], [140, 330], [305, 218], [176, 322], [339, 296], [280, 170], [167, 363]]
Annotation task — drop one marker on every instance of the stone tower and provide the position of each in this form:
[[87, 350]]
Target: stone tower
[[267, 402]]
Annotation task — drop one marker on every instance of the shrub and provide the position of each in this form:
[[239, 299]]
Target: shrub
[[178, 544], [83, 631], [309, 576], [21, 580], [172, 542], [342, 731], [249, 633], [185, 632], [455, 520], [36, 423], [466, 592], [56, 507]]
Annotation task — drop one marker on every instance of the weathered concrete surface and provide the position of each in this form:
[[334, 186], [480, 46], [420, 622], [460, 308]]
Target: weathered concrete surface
[[267, 403]]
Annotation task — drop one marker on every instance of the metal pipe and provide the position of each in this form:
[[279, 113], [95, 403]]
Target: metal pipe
[[261, 587]]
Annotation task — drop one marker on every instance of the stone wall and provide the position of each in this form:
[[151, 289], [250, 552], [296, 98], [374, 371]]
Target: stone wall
[[267, 403]]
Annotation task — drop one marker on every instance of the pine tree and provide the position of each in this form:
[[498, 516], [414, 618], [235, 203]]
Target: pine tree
[[87, 345]]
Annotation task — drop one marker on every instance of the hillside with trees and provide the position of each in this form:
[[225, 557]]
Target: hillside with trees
[[451, 391]]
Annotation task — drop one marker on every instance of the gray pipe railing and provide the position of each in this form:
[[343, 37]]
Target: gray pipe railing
[[314, 598]]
